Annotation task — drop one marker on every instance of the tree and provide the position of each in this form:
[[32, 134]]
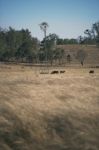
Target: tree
[[80, 40], [59, 55], [11, 42], [95, 30], [90, 39], [3, 45], [17, 45], [93, 34], [89, 33], [51, 41], [61, 41], [24, 51], [81, 55]]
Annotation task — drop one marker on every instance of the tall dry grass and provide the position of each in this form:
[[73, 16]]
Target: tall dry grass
[[49, 112]]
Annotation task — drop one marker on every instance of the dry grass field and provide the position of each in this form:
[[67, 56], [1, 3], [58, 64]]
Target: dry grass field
[[48, 111]]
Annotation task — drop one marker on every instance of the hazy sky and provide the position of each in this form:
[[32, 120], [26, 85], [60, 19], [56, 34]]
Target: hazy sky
[[66, 18]]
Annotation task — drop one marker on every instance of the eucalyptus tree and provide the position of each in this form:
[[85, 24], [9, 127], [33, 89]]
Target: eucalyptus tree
[[95, 29], [93, 34], [51, 41]]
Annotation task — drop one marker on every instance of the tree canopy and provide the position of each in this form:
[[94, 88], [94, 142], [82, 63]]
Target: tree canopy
[[20, 46], [17, 45], [92, 35]]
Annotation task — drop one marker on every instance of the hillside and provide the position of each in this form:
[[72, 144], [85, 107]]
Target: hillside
[[49, 112], [91, 50]]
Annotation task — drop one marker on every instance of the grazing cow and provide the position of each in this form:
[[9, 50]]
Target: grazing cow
[[54, 72], [62, 71], [91, 71]]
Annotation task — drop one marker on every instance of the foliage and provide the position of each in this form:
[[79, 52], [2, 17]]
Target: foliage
[[66, 41], [92, 35], [17, 45], [53, 53], [20, 46]]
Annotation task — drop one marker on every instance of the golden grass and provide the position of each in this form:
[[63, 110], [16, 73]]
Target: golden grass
[[44, 111]]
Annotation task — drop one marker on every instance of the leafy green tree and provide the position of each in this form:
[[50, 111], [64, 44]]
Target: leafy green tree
[[3, 45], [61, 41], [50, 46], [27, 46], [59, 55], [19, 45], [11, 40]]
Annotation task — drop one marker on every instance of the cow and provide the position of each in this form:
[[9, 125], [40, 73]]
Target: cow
[[54, 72], [91, 71], [62, 71]]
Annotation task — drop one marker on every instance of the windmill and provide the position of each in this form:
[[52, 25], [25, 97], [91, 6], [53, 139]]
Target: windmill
[[43, 27]]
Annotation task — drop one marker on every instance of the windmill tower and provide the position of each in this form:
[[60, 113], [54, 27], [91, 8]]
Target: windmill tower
[[43, 27]]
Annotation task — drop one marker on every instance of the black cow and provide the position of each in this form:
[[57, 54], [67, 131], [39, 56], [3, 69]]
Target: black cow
[[54, 72], [91, 71]]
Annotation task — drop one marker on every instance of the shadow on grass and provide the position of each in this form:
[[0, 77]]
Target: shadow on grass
[[64, 134], [61, 133], [13, 133]]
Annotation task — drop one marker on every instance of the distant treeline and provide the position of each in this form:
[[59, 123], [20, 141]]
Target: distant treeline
[[20, 46], [17, 45], [91, 37]]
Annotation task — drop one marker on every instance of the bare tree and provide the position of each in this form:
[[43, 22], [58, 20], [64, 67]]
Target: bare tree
[[81, 55]]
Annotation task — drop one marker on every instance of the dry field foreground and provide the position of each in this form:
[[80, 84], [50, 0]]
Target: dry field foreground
[[49, 112]]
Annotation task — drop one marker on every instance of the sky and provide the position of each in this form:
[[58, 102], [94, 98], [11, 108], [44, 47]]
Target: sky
[[66, 18]]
